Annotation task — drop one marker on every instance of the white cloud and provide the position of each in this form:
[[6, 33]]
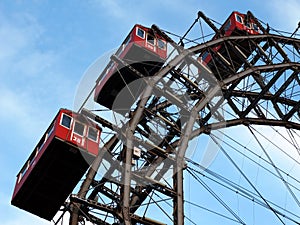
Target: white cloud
[[18, 111], [21, 55], [32, 81], [147, 12], [33, 86], [35, 63], [17, 32]]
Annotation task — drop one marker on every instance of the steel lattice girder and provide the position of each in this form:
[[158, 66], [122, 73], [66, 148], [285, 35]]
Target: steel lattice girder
[[227, 87]]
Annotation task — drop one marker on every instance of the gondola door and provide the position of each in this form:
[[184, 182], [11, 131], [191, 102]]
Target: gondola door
[[78, 135]]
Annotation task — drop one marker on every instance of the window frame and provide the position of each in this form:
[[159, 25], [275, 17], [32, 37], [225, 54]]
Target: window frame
[[205, 55], [61, 120], [84, 128], [248, 25], [23, 171], [31, 161], [20, 177], [239, 19], [147, 40], [50, 131], [227, 25], [137, 33], [164, 44], [97, 134], [255, 27]]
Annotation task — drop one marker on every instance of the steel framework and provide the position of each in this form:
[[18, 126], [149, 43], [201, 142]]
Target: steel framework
[[181, 102]]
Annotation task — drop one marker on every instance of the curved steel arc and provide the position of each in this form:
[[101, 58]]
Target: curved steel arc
[[256, 38], [260, 69], [226, 87], [132, 126]]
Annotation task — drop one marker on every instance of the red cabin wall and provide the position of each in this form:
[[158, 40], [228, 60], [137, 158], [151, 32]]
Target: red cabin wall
[[136, 39], [63, 133], [134, 50], [234, 26], [82, 142], [143, 43], [20, 181]]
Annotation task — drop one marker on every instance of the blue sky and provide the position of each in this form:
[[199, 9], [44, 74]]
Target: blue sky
[[46, 46]]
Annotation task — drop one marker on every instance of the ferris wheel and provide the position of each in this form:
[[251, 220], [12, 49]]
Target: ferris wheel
[[201, 129]]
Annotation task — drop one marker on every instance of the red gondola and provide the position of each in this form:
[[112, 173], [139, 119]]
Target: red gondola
[[217, 59], [145, 52], [57, 164]]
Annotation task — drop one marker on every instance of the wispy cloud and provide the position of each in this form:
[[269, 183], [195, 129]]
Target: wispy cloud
[[16, 106], [147, 12], [18, 33], [33, 85], [285, 13], [31, 79]]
